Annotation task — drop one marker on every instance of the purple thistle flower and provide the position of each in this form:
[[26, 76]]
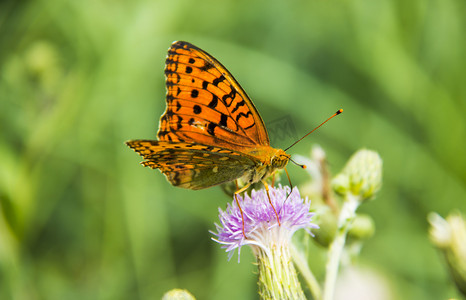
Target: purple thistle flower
[[260, 222]]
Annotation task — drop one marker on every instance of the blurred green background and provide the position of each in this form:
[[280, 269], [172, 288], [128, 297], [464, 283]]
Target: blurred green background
[[81, 219]]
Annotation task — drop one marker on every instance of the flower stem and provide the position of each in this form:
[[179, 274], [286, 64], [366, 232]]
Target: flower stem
[[303, 267], [347, 215], [277, 275]]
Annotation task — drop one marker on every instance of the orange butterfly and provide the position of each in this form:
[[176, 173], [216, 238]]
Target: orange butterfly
[[210, 133]]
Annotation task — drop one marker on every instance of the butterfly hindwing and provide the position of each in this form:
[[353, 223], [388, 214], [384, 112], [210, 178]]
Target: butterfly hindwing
[[205, 104], [193, 166]]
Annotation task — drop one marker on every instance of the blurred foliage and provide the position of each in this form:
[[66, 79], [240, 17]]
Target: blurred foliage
[[82, 220]]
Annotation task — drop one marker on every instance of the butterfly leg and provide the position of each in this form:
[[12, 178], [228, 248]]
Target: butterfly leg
[[237, 203], [270, 201], [291, 186]]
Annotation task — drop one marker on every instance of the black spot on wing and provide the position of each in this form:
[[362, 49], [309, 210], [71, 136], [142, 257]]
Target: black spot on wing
[[172, 77], [245, 115], [230, 95], [218, 80], [206, 67], [163, 133], [223, 120], [179, 125], [238, 105], [194, 93], [213, 103], [168, 114], [211, 128], [197, 109]]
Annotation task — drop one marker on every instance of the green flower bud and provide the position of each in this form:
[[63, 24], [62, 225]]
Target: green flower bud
[[341, 184], [328, 225], [450, 236], [362, 228], [362, 175], [178, 294]]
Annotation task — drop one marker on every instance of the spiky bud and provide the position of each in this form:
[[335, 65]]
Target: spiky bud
[[449, 235], [362, 175]]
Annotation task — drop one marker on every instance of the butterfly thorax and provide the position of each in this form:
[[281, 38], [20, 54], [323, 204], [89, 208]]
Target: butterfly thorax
[[269, 160]]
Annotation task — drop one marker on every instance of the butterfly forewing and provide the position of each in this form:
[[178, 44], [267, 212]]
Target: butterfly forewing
[[190, 165], [211, 132], [205, 104]]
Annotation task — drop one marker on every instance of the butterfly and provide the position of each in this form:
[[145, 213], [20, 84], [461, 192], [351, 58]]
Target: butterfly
[[210, 133]]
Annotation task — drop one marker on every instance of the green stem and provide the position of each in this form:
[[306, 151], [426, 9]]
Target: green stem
[[347, 215], [277, 275]]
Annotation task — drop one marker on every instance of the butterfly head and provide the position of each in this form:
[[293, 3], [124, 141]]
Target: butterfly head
[[280, 159]]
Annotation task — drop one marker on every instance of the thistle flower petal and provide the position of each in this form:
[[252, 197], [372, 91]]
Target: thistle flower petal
[[260, 222], [269, 241]]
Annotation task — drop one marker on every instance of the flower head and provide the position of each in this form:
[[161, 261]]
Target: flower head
[[178, 294], [260, 222], [449, 235], [362, 175]]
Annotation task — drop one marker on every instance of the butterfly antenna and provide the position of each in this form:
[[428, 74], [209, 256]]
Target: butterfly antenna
[[335, 114], [299, 165]]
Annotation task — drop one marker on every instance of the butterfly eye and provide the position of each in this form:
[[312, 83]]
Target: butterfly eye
[[280, 160]]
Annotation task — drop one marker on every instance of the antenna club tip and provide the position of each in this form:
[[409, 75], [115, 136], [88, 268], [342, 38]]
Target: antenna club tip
[[340, 111], [304, 166]]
